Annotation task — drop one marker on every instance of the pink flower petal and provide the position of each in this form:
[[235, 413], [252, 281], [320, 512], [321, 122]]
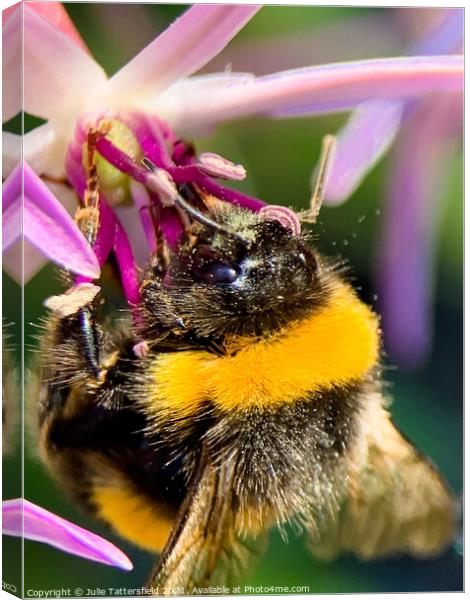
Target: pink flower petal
[[445, 36], [11, 212], [415, 200], [194, 91], [48, 226], [53, 12], [21, 517], [38, 148], [11, 63], [56, 14], [329, 88], [12, 188], [8, 12], [127, 266], [11, 224], [22, 261], [57, 72], [46, 223], [44, 148], [186, 46], [361, 143], [373, 126]]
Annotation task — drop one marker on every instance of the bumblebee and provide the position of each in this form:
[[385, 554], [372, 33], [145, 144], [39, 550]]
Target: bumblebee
[[248, 394]]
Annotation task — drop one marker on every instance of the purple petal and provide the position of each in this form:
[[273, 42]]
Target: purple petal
[[140, 239], [106, 233], [11, 225], [361, 143], [127, 266], [186, 46], [21, 517], [11, 188], [49, 227], [143, 204], [46, 223], [56, 69], [170, 224], [373, 126], [446, 35], [329, 88], [11, 208], [414, 205]]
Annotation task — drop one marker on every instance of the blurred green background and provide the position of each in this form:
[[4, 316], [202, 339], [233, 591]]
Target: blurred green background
[[279, 156]]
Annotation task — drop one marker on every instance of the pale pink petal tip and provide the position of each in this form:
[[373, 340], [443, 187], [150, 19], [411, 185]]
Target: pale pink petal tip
[[56, 14], [56, 68], [49, 227], [286, 217], [43, 526], [217, 166]]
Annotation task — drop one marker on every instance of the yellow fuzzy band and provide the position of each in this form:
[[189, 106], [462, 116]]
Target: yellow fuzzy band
[[336, 345], [133, 517]]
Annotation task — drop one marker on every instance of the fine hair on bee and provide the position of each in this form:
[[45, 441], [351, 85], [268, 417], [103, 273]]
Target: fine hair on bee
[[11, 412], [247, 394]]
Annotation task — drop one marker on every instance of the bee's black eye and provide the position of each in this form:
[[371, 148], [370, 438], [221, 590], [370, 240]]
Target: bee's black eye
[[209, 266]]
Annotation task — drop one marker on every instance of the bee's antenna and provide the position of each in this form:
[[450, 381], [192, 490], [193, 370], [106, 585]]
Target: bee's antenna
[[327, 151], [194, 213], [205, 220]]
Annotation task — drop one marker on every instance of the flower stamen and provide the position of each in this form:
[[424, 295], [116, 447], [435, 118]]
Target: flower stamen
[[156, 188], [217, 166]]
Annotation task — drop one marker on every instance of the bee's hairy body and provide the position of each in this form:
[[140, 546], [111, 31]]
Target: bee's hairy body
[[275, 371]]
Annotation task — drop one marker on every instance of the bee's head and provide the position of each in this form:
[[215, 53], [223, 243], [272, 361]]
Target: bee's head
[[249, 276]]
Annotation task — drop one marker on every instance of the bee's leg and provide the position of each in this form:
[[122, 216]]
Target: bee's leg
[[78, 305], [78, 349], [84, 404], [87, 216], [75, 339], [102, 228], [76, 309], [90, 339]]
